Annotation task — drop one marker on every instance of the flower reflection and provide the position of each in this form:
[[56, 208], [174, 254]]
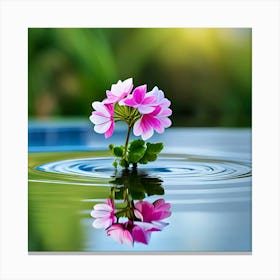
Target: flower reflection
[[152, 212], [126, 216], [104, 214], [121, 233]]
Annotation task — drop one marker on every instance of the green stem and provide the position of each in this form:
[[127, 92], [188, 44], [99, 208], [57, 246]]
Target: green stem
[[126, 141]]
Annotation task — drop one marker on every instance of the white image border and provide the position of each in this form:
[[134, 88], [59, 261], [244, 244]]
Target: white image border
[[16, 16]]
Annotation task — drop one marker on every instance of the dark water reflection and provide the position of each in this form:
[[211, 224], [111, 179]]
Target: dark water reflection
[[209, 193], [126, 216]]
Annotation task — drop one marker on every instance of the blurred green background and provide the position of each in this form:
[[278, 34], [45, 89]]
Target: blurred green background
[[205, 72]]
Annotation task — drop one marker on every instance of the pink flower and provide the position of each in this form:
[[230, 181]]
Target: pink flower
[[121, 234], [104, 214], [153, 212], [118, 91], [103, 118], [152, 119], [157, 120], [140, 101], [150, 216], [146, 124]]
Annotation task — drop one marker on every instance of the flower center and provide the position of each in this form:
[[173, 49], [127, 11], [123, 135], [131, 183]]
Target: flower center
[[128, 114]]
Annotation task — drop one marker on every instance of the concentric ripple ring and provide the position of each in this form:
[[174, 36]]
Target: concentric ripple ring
[[190, 170]]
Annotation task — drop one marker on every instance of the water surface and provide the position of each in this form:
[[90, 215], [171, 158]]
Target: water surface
[[205, 175]]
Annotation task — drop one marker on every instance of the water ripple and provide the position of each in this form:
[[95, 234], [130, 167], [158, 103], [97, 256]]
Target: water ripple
[[185, 170]]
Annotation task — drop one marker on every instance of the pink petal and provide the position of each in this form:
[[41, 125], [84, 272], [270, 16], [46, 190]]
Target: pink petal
[[159, 94], [160, 215], [166, 112], [128, 85], [165, 122], [115, 231], [127, 238], [160, 99], [137, 129], [161, 202], [146, 208], [130, 102], [121, 89], [160, 129], [147, 134], [163, 207], [99, 106], [97, 119], [153, 92], [120, 234], [110, 108], [149, 100], [104, 222], [110, 101], [99, 213], [165, 103], [146, 227], [139, 93], [102, 128], [144, 123], [110, 131], [117, 88], [156, 111], [102, 207], [160, 225], [139, 235], [110, 98], [144, 109], [138, 205], [153, 122]]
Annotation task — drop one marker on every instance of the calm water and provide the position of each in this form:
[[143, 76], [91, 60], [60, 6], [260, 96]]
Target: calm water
[[205, 174]]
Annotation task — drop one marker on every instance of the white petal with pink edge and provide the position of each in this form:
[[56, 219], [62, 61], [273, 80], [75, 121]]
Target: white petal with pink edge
[[99, 106], [102, 128], [110, 131], [144, 109], [99, 213], [147, 134], [165, 122], [137, 129], [102, 206], [97, 119], [101, 223]]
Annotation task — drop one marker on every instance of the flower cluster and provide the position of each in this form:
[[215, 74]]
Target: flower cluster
[[143, 111], [144, 219]]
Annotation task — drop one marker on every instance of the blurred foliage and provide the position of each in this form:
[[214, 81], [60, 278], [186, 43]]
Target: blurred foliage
[[205, 72]]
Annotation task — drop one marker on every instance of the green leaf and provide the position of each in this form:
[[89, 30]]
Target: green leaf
[[136, 151], [135, 144], [118, 151], [136, 155], [111, 147], [137, 192], [151, 153], [154, 189], [155, 148], [119, 193]]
